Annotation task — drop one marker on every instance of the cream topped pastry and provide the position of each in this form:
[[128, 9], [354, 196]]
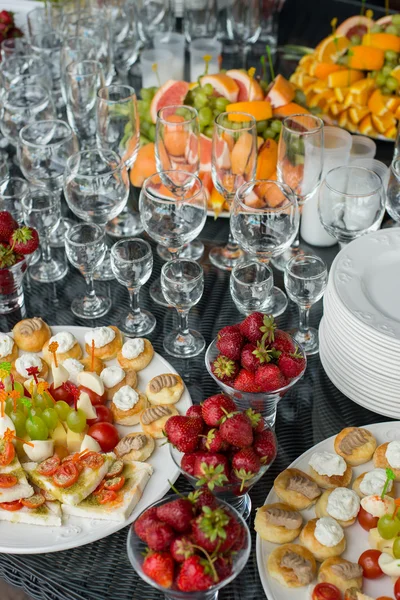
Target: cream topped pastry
[[65, 341], [126, 398], [26, 361], [374, 481], [377, 507], [112, 376], [132, 348], [343, 504], [74, 367], [6, 345], [328, 532], [327, 463], [393, 454], [100, 335]]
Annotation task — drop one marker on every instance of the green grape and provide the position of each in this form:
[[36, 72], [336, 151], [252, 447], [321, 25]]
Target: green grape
[[396, 19], [143, 107], [189, 98], [221, 104], [261, 126], [36, 428], [392, 83], [152, 133], [19, 420], [316, 110], [9, 406], [391, 55], [355, 40], [19, 387], [200, 100], [146, 94], [269, 133], [396, 547], [144, 140], [276, 126], [40, 402], [380, 79], [154, 90], [391, 29], [35, 411], [209, 132], [376, 29], [183, 112], [212, 102], [342, 60], [208, 89], [144, 127], [50, 417], [216, 112], [388, 527], [63, 409], [385, 90], [205, 115], [386, 70], [202, 128], [76, 420], [300, 97], [398, 30]]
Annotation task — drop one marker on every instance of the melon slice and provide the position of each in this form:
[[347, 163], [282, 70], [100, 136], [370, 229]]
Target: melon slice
[[171, 93]]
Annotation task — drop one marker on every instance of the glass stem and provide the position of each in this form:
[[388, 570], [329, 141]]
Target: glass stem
[[45, 249], [134, 300], [304, 312], [183, 322], [91, 292]]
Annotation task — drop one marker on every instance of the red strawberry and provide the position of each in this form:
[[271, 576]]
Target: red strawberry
[[228, 330], [256, 419], [159, 536], [159, 566], [292, 364], [141, 525], [6, 17], [215, 408], [269, 378], [282, 341], [230, 345], [183, 432], [181, 548], [224, 368], [203, 497], [245, 382], [237, 430], [188, 462], [214, 441], [24, 240], [248, 359], [245, 464], [215, 530], [178, 514], [240, 540], [211, 470], [195, 575], [265, 446], [257, 325], [7, 225], [194, 411], [223, 566]]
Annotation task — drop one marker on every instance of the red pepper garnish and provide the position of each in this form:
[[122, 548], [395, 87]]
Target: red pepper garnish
[[34, 372], [92, 361], [72, 389], [12, 380]]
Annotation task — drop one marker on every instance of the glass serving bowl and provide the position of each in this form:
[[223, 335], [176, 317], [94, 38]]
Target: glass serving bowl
[[136, 548], [11, 291], [262, 402]]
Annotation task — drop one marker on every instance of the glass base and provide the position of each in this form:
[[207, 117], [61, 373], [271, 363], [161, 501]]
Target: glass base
[[184, 346], [57, 238], [279, 302], [280, 261], [104, 272], [224, 259], [309, 341], [11, 302], [156, 293], [127, 224], [91, 308], [138, 325], [193, 251], [48, 272]]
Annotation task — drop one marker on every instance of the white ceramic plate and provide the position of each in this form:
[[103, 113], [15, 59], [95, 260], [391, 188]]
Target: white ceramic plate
[[357, 538], [35, 539]]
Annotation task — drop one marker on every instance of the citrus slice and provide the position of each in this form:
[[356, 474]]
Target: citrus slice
[[357, 25], [267, 158], [281, 92], [365, 126], [344, 78], [205, 153], [322, 70], [290, 109], [249, 88], [171, 93], [332, 48], [260, 110], [377, 103], [384, 41], [145, 165], [396, 73], [384, 122], [357, 113], [223, 84]]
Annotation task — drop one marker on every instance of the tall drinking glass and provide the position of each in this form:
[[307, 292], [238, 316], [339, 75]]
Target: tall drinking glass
[[48, 47], [244, 23], [152, 16], [75, 49], [25, 68], [13, 190], [200, 19], [14, 47], [233, 163]]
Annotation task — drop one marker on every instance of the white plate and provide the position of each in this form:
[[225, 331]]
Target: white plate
[[367, 280], [357, 538], [35, 539]]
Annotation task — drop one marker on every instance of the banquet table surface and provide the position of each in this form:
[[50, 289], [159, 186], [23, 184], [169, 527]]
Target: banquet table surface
[[312, 411]]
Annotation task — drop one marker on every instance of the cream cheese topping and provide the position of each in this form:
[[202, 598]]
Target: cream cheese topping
[[125, 398], [328, 532], [111, 376], [25, 361], [6, 345], [373, 482], [343, 504], [393, 454], [133, 348], [74, 367], [101, 336], [65, 341], [377, 507], [327, 463]]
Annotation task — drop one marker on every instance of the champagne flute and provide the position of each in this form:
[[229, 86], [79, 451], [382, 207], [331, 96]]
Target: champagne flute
[[233, 163]]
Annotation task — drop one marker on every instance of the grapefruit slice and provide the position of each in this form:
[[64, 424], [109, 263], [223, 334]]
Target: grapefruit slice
[[223, 84], [357, 25], [281, 92], [172, 92], [205, 153], [249, 89], [145, 165]]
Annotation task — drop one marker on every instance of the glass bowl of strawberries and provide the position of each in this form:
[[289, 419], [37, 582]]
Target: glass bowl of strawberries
[[189, 547], [221, 449], [255, 363]]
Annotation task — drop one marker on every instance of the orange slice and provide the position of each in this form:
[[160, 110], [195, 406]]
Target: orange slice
[[335, 109], [322, 70], [366, 58], [223, 85], [393, 103], [377, 103], [241, 154], [281, 92], [331, 48], [384, 122], [365, 126], [343, 119], [290, 109], [357, 113], [260, 110], [267, 158], [340, 93], [384, 41], [344, 78], [396, 73], [391, 133], [145, 165]]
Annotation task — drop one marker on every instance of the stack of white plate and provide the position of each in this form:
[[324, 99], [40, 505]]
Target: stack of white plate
[[360, 330]]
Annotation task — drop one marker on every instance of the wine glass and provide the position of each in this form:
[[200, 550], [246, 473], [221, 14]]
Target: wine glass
[[118, 130], [47, 46], [182, 282], [306, 278], [172, 220], [152, 16], [75, 49], [200, 19], [42, 211], [86, 248], [393, 191], [125, 35], [264, 222], [351, 203], [233, 163], [244, 23], [132, 264], [26, 68], [12, 192], [299, 165], [96, 188], [177, 148]]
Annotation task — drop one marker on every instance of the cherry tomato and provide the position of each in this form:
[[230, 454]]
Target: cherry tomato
[[8, 454], [49, 466], [66, 475], [34, 501], [116, 469], [95, 399], [366, 520], [115, 484], [104, 415], [397, 589], [8, 481], [326, 591], [106, 496], [369, 563], [11, 506], [384, 598], [93, 460], [61, 393], [105, 434]]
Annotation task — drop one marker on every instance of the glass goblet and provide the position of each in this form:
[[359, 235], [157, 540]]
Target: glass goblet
[[264, 222], [233, 163], [118, 130], [177, 148], [351, 203], [42, 210], [306, 278], [74, 49], [86, 248], [152, 16], [14, 47], [251, 285], [170, 220], [25, 69], [4, 170], [13, 190], [244, 24], [182, 282], [47, 46], [132, 264], [393, 191]]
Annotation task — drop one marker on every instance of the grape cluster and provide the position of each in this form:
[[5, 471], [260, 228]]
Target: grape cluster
[[383, 78]]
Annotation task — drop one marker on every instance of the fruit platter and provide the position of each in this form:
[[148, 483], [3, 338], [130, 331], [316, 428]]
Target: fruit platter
[[82, 413], [353, 76], [329, 527]]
